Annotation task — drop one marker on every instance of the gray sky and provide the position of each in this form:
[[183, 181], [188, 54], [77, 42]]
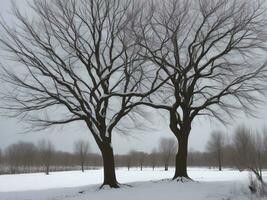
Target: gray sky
[[142, 140]]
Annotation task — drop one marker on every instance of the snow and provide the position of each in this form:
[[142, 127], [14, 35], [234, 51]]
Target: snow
[[147, 184]]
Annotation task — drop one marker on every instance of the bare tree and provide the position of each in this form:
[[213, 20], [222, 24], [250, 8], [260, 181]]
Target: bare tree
[[1, 161], [141, 158], [215, 146], [21, 156], [264, 139], [137, 158], [167, 148], [46, 150], [153, 158], [128, 160], [77, 57], [213, 51], [249, 151], [12, 158], [81, 148]]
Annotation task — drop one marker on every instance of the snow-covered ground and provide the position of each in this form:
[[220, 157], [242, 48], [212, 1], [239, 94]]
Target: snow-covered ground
[[147, 184]]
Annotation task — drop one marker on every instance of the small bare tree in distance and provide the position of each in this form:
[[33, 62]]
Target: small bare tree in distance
[[128, 160], [81, 148], [214, 52], [154, 158], [264, 131], [21, 156], [167, 148], [216, 145], [249, 150], [1, 160], [140, 156], [46, 149]]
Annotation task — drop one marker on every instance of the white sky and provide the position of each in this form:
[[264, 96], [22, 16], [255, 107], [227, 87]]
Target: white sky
[[142, 140]]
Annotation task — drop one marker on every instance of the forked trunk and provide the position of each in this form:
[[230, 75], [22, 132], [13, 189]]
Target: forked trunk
[[181, 134], [109, 166], [181, 158]]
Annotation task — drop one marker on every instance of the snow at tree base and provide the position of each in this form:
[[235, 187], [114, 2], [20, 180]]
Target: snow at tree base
[[209, 184]]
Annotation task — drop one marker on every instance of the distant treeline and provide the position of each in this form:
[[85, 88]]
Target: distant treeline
[[26, 157]]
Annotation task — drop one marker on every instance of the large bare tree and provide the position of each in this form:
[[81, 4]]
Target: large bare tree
[[73, 61], [214, 53]]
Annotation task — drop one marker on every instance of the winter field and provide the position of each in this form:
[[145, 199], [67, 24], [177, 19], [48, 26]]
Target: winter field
[[209, 184]]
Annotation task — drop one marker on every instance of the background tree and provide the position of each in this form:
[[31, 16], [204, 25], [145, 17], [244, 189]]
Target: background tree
[[81, 148], [249, 151], [153, 158], [141, 159], [167, 148], [265, 141], [137, 158], [128, 160], [46, 150], [75, 57], [1, 161], [215, 146], [21, 157], [213, 53], [12, 158]]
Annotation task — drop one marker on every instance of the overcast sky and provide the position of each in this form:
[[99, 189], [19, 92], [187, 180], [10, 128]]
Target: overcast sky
[[141, 140]]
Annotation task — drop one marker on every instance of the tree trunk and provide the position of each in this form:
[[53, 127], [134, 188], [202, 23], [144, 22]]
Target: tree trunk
[[47, 170], [181, 158], [220, 164], [82, 167], [109, 166], [166, 167]]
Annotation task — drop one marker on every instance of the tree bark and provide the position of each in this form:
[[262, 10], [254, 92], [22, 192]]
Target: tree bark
[[109, 166], [181, 158], [181, 135]]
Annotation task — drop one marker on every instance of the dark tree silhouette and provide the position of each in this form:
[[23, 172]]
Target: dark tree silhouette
[[75, 57], [214, 53]]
